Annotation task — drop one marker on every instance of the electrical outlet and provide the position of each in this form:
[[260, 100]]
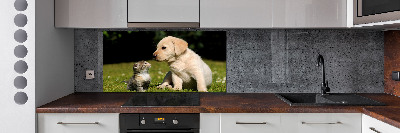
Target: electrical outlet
[[396, 75], [89, 74]]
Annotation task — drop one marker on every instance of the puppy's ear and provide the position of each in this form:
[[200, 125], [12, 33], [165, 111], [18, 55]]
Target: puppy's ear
[[180, 45]]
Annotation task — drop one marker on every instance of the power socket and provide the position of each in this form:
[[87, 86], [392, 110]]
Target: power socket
[[396, 75], [89, 74]]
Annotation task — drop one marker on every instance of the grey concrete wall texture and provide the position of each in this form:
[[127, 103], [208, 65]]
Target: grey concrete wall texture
[[88, 56], [264, 60]]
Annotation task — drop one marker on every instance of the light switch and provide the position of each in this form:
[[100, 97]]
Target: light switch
[[89, 74]]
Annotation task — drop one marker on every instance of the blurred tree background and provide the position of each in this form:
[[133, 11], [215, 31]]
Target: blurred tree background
[[132, 46]]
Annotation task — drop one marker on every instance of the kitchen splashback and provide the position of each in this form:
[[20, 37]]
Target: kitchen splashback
[[270, 61], [392, 59]]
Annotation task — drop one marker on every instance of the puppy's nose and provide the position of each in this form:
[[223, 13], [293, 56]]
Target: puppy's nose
[[154, 55]]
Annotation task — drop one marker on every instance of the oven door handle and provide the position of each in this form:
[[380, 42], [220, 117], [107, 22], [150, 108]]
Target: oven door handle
[[162, 131]]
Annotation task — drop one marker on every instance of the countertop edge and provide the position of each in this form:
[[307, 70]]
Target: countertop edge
[[219, 103], [381, 117]]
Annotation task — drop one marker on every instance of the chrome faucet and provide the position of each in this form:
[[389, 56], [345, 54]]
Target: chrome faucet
[[324, 85]]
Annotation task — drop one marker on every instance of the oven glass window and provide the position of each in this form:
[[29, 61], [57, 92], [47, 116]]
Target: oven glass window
[[157, 132], [372, 7], [167, 131]]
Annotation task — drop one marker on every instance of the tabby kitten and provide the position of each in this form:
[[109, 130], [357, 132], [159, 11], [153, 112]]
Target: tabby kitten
[[140, 80]]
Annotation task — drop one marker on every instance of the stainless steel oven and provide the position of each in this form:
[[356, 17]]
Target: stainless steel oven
[[373, 11], [159, 123]]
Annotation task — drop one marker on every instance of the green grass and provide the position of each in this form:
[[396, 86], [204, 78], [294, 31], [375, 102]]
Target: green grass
[[114, 74]]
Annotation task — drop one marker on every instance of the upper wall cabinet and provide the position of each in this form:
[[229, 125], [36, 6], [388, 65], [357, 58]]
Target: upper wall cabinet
[[203, 13], [163, 13], [309, 13], [273, 13], [90, 13], [236, 13]]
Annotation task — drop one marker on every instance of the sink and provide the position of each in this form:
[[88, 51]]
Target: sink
[[316, 99]]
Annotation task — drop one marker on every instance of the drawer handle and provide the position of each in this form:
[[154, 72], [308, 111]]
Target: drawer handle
[[77, 123], [373, 129], [310, 123], [251, 122]]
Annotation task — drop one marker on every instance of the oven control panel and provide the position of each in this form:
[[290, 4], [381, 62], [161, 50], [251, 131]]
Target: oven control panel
[[159, 121]]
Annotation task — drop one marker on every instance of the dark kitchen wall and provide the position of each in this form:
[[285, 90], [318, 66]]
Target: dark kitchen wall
[[265, 60]]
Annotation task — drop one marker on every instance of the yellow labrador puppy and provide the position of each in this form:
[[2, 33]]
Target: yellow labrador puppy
[[187, 69]]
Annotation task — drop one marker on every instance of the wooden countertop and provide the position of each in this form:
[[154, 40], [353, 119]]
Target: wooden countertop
[[387, 115], [97, 102]]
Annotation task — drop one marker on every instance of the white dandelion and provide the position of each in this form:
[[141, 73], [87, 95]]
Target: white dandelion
[[218, 80], [159, 72]]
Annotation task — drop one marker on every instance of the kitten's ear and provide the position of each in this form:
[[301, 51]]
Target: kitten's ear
[[180, 45]]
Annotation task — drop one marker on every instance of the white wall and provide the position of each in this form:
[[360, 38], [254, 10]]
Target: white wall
[[54, 56], [16, 118], [50, 61]]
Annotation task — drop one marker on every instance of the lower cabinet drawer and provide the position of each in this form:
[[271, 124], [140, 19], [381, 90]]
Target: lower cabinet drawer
[[321, 123], [78, 123], [372, 125], [250, 123], [330, 123]]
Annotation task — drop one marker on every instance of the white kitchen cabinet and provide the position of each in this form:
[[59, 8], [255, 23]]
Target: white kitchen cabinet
[[290, 122], [209, 122], [236, 13], [372, 125], [273, 13], [78, 123], [321, 123], [209, 13], [144, 11], [250, 123], [90, 13], [309, 13]]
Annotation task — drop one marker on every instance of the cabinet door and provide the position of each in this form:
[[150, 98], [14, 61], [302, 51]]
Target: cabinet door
[[250, 123], [309, 13], [78, 123], [90, 13], [372, 125], [163, 11], [321, 123], [236, 13], [209, 122]]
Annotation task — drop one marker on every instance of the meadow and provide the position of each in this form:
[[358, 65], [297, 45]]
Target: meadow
[[115, 74]]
